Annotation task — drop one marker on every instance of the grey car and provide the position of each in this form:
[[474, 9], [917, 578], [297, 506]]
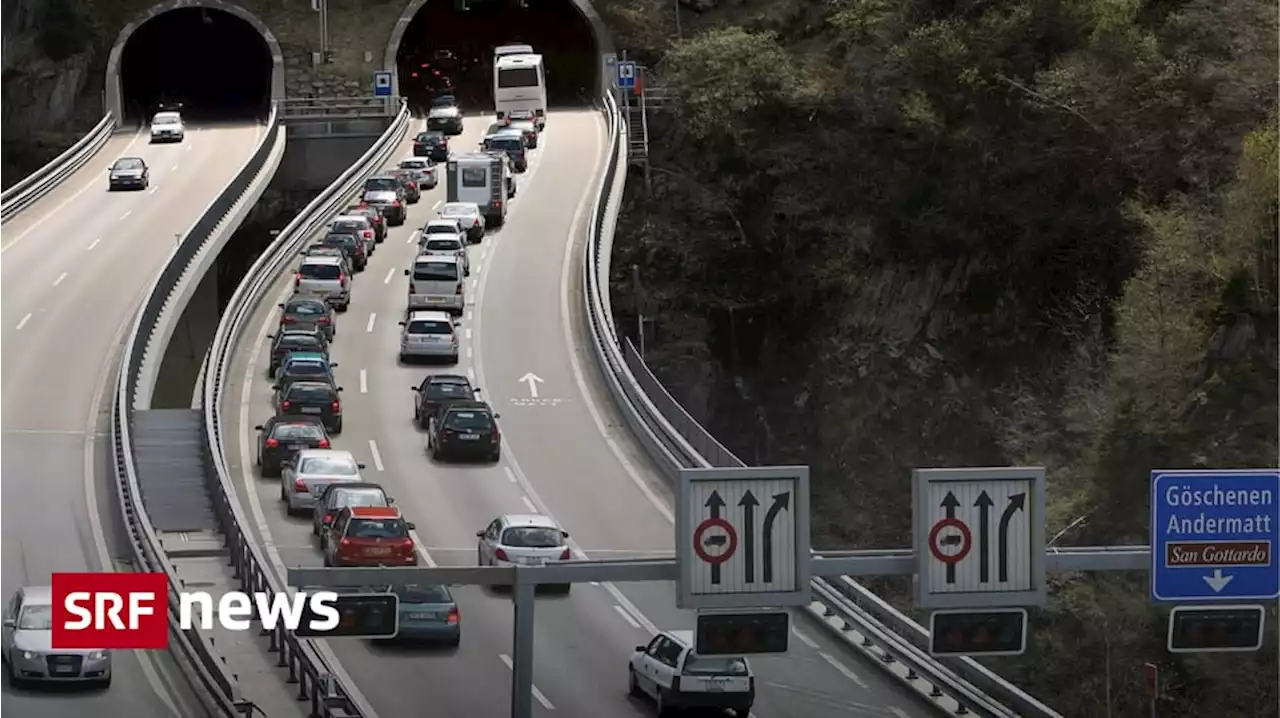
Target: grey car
[[128, 173], [310, 471], [28, 645], [385, 193]]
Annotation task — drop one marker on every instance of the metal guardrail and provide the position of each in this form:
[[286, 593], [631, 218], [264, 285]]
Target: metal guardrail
[[196, 648], [44, 180], [675, 440], [310, 662], [339, 108]]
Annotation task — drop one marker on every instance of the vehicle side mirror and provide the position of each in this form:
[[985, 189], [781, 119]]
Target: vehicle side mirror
[[480, 534], [476, 390], [390, 500], [10, 623], [400, 323], [276, 387], [258, 428], [281, 305], [413, 389], [339, 388], [565, 534], [641, 649], [271, 336], [406, 272], [497, 416], [333, 365], [359, 466], [411, 525]]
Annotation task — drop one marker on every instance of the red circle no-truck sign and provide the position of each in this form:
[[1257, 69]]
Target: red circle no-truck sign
[[947, 533], [715, 548]]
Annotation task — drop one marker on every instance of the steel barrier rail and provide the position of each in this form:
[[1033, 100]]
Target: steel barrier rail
[[217, 682], [674, 440], [337, 108], [310, 662], [44, 180]]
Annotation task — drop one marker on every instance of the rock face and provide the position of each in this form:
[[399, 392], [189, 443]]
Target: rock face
[[38, 93]]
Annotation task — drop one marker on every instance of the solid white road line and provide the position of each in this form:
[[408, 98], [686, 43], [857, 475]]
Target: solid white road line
[[377, 457], [844, 670], [626, 616], [23, 322], [529, 505], [537, 694], [510, 474]]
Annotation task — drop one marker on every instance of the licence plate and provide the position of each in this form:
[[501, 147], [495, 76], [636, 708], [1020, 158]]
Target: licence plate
[[64, 670], [421, 616], [435, 300], [310, 410], [297, 447], [469, 437], [377, 551], [715, 686]]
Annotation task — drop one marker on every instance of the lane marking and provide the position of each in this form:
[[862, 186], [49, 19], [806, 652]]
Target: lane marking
[[152, 190], [844, 670], [469, 352], [176, 165], [377, 457], [61, 277], [187, 150], [532, 509], [436, 206], [125, 216], [471, 373], [537, 694], [23, 322], [511, 476], [368, 327], [413, 236], [468, 328], [93, 244], [364, 382], [804, 638], [626, 616], [898, 712], [390, 273]]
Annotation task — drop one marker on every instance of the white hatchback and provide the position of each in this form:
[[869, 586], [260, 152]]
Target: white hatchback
[[675, 677], [523, 540], [424, 169]]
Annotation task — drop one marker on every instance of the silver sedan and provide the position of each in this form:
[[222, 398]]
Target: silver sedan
[[29, 655], [304, 477]]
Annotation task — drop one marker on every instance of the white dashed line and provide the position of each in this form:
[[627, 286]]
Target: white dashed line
[[152, 190], [805, 639], [413, 237], [511, 475], [93, 244], [368, 327], [468, 333], [537, 694], [529, 505], [187, 150], [175, 165], [377, 457], [626, 616], [24, 321], [125, 216], [898, 712], [364, 382], [390, 273], [468, 352], [471, 374], [848, 673], [61, 277], [436, 206]]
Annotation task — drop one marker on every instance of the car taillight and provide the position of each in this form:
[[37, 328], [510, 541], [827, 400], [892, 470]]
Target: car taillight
[[323, 444], [406, 545], [396, 203], [287, 320], [500, 555], [368, 234], [297, 279], [495, 435], [497, 203], [453, 615], [566, 554], [284, 405], [344, 542], [272, 443], [322, 320], [459, 289], [300, 486], [336, 406], [342, 279], [328, 519]]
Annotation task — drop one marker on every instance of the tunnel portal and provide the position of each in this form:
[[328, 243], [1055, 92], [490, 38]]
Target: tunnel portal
[[448, 49], [207, 62]]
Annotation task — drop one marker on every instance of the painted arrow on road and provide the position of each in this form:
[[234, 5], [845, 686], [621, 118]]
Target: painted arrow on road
[[533, 380]]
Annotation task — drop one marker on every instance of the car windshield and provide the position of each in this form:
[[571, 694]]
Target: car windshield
[[167, 118], [423, 594], [300, 341], [459, 210], [297, 431], [306, 308], [377, 529], [341, 240], [429, 137], [505, 144], [468, 420], [330, 465], [435, 271], [443, 245], [715, 665], [441, 228], [130, 163], [348, 226], [360, 497], [320, 271], [310, 392], [306, 368], [381, 184], [413, 164], [443, 390], [36, 617], [429, 326], [532, 537]]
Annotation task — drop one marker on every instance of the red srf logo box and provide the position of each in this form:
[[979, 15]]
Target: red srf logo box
[[104, 611]]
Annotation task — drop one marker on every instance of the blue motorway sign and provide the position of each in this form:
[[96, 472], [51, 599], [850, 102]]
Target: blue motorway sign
[[1214, 534]]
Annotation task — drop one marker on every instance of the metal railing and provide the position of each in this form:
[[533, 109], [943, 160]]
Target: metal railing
[[44, 180], [675, 440], [339, 108], [311, 663]]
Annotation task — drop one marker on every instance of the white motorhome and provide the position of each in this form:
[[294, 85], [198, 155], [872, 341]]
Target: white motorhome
[[483, 179], [506, 50], [520, 84]]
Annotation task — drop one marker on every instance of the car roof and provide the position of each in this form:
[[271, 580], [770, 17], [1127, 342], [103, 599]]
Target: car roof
[[295, 419], [311, 385], [437, 258], [38, 595], [306, 356], [538, 520], [321, 259], [430, 314], [460, 205], [349, 218], [467, 405], [375, 512], [448, 378], [131, 159], [322, 453], [415, 158], [440, 221]]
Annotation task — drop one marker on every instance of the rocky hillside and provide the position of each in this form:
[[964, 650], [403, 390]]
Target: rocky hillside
[[892, 235]]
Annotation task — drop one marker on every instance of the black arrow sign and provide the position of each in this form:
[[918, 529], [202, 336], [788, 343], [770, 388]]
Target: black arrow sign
[[984, 504], [781, 502], [950, 502], [748, 503], [1016, 503], [715, 503]]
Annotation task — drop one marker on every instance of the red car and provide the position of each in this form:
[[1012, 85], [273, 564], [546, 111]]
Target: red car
[[370, 536]]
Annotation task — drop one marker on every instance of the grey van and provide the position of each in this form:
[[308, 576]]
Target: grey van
[[436, 282], [324, 277]]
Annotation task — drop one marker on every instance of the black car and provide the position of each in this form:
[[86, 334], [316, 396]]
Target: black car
[[351, 244], [375, 218], [304, 370], [512, 145], [408, 180], [283, 436], [313, 398], [308, 313], [285, 342], [439, 389], [128, 173], [446, 119], [334, 497], [465, 430], [432, 144]]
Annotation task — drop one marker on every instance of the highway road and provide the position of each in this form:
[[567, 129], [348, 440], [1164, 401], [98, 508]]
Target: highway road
[[565, 455], [74, 270]]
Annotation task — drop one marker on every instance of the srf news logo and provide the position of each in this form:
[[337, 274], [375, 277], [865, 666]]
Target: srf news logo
[[107, 611]]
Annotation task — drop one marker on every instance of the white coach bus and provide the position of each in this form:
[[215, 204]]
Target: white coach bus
[[519, 85]]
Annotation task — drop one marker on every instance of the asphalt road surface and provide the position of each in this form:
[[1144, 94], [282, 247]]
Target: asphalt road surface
[[74, 269], [564, 455]]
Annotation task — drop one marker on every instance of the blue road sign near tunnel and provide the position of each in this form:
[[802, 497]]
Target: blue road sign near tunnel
[[1214, 535]]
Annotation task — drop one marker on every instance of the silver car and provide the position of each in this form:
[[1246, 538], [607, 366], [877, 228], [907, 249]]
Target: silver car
[[429, 334], [437, 282], [28, 645], [358, 225], [468, 216], [324, 277], [167, 127], [451, 243], [303, 477], [523, 539], [423, 169]]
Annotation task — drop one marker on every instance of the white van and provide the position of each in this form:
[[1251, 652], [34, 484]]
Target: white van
[[437, 282], [482, 179]]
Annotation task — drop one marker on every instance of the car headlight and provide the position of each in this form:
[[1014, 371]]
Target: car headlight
[[30, 655], [97, 655]]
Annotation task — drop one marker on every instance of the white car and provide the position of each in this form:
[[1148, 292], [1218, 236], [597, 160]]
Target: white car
[[424, 169], [168, 127], [524, 540], [451, 245], [675, 677], [468, 216]]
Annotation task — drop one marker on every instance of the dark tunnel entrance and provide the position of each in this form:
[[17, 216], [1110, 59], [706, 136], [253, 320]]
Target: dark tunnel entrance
[[212, 63], [447, 49]]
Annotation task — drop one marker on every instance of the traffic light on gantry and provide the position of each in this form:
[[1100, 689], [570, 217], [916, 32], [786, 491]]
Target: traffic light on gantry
[[360, 615], [1215, 629], [996, 632]]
